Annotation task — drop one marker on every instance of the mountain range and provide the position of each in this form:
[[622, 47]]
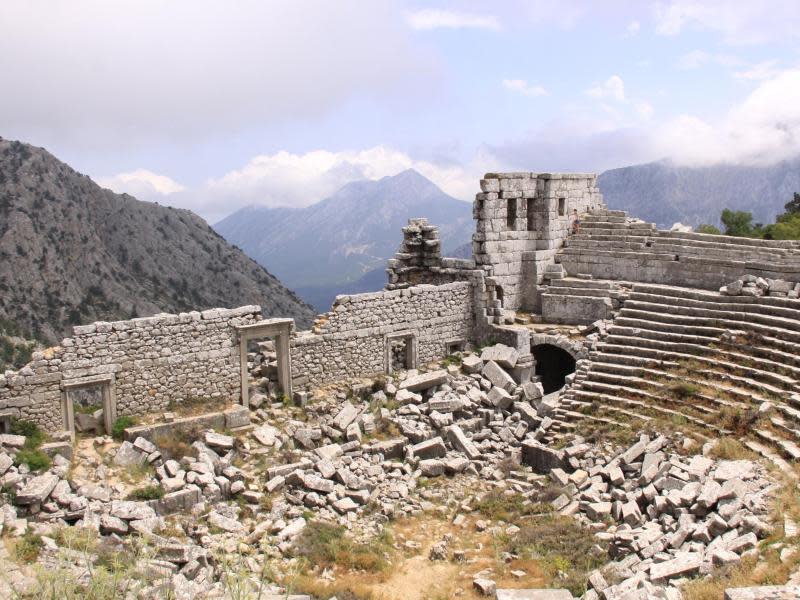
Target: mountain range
[[664, 193], [72, 252], [341, 238]]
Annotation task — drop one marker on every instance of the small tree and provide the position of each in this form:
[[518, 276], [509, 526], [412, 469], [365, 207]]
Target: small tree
[[738, 223], [706, 228], [793, 206]]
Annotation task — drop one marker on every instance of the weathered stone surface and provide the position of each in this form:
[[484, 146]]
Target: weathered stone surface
[[499, 378], [542, 594], [683, 565], [432, 448], [460, 442], [129, 510], [423, 381], [505, 356], [37, 489], [769, 592], [128, 455], [218, 440], [541, 458], [346, 415]]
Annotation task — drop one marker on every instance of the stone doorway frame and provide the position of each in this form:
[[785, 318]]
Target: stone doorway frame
[[410, 338], [108, 391], [281, 330]]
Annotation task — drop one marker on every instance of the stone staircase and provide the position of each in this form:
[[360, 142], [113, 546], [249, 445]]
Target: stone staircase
[[610, 245], [717, 365]]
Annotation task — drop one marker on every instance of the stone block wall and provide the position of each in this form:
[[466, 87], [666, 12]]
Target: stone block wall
[[521, 221], [351, 340], [153, 360], [34, 392]]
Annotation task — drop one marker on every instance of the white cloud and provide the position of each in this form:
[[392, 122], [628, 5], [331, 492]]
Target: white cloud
[[759, 71], [700, 58], [738, 21], [297, 180], [523, 87], [613, 88], [141, 183], [430, 18], [633, 28], [97, 73], [761, 129]]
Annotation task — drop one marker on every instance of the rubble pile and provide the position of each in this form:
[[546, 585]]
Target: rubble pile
[[750, 285]]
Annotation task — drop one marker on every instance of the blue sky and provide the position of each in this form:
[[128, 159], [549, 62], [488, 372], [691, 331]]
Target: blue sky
[[215, 105]]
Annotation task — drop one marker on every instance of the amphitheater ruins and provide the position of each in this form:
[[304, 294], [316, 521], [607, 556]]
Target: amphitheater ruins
[[565, 333]]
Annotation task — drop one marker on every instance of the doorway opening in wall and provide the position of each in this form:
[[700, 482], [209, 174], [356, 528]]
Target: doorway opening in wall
[[401, 352], [553, 364], [89, 406], [262, 365], [511, 213], [265, 362], [562, 207], [498, 292]]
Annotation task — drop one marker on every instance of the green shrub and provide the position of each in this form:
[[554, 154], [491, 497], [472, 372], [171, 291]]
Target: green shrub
[[323, 544], [34, 458], [148, 492], [27, 548], [120, 425], [508, 507], [33, 435]]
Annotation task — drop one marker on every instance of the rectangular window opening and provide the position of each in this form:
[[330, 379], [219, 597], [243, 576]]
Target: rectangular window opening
[[562, 207], [511, 213], [531, 214]]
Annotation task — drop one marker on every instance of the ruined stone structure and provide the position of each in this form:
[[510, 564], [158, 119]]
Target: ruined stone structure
[[527, 257]]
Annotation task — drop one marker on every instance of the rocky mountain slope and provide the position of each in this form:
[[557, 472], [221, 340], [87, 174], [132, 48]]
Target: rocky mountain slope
[[72, 252], [665, 194], [354, 231]]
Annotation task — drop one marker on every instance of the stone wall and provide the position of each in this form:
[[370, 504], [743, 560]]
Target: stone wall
[[681, 259], [521, 221], [153, 361], [351, 340]]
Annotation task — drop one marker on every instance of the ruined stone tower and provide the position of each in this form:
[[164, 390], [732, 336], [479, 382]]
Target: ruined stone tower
[[522, 219]]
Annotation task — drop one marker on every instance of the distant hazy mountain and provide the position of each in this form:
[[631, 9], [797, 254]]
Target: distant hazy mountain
[[665, 194], [338, 240], [72, 252]]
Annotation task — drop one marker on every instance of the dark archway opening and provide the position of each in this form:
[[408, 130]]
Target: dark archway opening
[[552, 365]]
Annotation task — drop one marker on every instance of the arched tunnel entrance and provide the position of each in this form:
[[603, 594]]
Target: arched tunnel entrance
[[553, 364]]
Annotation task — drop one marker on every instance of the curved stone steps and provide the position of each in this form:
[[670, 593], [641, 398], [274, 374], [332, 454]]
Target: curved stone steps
[[745, 395], [787, 447], [774, 378], [664, 316], [751, 384], [672, 337], [604, 399], [660, 326], [695, 348], [632, 360], [720, 315], [768, 454], [670, 291], [768, 352]]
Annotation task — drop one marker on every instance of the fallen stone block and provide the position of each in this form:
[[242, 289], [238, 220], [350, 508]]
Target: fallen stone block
[[498, 377], [472, 364], [462, 443], [128, 455], [346, 415], [500, 398], [503, 355], [218, 440], [432, 448], [543, 459], [684, 565], [37, 489], [424, 381], [129, 510]]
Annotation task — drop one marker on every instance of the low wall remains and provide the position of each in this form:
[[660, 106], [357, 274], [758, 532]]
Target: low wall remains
[[351, 340], [149, 362]]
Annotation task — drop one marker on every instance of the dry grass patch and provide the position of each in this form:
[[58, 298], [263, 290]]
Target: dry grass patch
[[326, 545], [728, 448]]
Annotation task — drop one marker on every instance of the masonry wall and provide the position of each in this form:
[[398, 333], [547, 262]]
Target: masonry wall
[[677, 259], [351, 340], [154, 361], [521, 221]]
